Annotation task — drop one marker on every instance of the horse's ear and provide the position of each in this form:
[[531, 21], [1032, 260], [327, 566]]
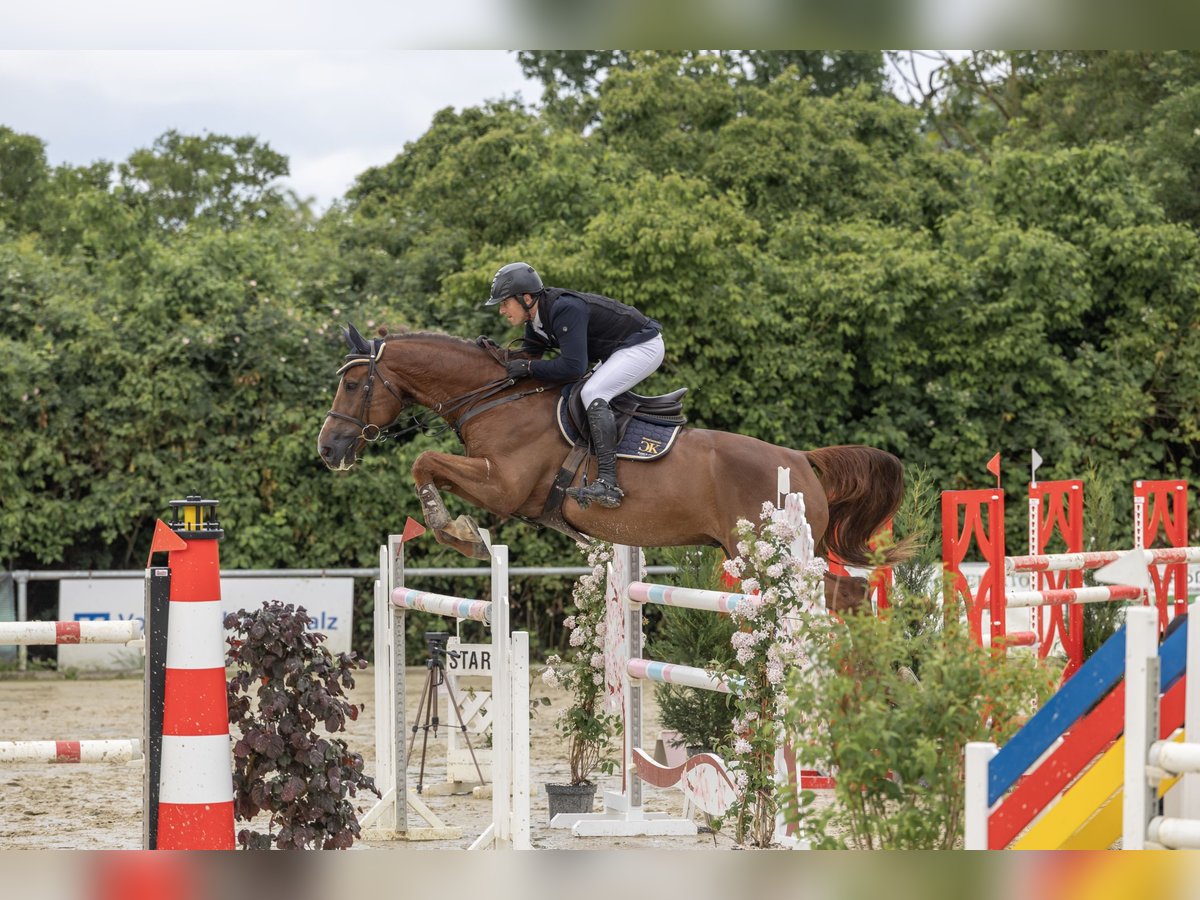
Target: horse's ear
[[358, 344]]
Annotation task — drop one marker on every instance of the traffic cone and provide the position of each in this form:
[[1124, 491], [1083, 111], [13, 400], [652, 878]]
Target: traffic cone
[[196, 787]]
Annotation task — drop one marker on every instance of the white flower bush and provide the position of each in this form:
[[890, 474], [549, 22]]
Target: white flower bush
[[588, 730], [788, 592]]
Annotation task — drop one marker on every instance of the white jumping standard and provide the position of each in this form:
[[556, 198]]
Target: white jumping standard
[[388, 819], [1150, 764], [626, 668]]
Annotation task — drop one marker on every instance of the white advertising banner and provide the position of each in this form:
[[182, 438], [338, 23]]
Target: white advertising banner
[[328, 602]]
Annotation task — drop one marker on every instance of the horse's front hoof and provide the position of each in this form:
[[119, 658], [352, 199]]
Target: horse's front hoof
[[464, 529], [470, 549]]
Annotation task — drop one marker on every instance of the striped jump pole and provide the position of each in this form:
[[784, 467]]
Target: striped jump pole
[[119, 751], [671, 673], [441, 605], [1057, 562], [129, 632], [122, 631], [1073, 595], [689, 598]]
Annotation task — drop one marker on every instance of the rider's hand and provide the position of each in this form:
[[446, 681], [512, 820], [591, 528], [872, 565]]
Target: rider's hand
[[517, 368]]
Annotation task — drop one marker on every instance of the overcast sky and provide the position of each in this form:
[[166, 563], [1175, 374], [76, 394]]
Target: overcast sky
[[335, 87], [332, 113]]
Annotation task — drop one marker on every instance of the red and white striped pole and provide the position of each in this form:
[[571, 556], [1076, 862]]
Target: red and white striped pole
[[195, 809]]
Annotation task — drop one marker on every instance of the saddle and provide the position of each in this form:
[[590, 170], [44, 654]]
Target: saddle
[[664, 411]]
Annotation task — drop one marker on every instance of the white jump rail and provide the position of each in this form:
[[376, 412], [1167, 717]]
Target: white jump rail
[[388, 819], [1072, 595], [122, 631], [100, 751], [125, 631], [1061, 562]]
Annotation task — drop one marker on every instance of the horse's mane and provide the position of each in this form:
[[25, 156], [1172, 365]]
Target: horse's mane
[[402, 333]]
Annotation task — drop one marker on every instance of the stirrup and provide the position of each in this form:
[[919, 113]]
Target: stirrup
[[600, 491]]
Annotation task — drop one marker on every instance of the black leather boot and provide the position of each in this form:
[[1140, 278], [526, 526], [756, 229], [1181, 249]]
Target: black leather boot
[[604, 490]]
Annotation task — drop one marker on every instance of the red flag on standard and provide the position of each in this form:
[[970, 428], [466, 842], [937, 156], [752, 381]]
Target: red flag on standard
[[993, 466], [412, 529], [164, 541]]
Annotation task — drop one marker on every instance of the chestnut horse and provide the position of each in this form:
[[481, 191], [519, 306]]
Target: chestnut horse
[[694, 495]]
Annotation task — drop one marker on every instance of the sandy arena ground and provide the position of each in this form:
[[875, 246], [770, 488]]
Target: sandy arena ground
[[99, 806]]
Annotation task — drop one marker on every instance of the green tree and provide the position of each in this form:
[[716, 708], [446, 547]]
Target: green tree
[[223, 179], [23, 176]]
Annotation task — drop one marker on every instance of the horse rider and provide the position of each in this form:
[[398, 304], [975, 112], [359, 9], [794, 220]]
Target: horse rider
[[584, 328]]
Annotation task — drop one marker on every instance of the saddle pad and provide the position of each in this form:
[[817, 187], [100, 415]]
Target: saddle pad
[[642, 440]]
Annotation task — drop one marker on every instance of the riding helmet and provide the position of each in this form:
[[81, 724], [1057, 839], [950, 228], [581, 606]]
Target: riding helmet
[[514, 280]]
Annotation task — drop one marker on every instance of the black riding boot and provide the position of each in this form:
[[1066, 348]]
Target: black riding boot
[[604, 490]]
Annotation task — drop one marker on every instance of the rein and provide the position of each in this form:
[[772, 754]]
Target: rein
[[375, 434]]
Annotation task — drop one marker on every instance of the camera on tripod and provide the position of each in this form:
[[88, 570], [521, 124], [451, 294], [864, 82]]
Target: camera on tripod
[[436, 642]]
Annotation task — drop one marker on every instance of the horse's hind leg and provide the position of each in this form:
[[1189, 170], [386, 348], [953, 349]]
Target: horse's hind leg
[[846, 593]]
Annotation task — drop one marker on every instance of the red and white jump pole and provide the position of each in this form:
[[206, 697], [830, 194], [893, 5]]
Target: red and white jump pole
[[121, 631], [1057, 562], [118, 751]]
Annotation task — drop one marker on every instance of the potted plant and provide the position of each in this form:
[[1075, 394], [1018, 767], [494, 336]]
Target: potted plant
[[588, 731]]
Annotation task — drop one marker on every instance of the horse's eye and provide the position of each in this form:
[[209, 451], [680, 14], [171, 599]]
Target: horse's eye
[[352, 385]]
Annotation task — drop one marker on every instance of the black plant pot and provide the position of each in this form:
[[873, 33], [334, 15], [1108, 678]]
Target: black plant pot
[[570, 798]]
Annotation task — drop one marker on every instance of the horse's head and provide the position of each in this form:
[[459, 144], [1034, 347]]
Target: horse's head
[[361, 411]]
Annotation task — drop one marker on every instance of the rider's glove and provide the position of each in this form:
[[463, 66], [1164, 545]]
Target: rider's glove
[[517, 368]]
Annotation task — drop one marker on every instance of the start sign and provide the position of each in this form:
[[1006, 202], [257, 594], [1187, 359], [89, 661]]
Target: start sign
[[472, 659]]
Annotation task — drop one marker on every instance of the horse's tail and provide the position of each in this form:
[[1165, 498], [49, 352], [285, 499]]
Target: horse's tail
[[864, 487]]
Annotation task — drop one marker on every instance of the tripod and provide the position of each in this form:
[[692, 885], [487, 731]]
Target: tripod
[[436, 642]]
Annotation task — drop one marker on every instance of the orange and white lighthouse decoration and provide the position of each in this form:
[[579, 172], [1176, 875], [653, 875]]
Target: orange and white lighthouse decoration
[[195, 809]]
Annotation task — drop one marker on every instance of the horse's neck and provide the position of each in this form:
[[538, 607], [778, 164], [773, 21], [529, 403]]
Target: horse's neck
[[435, 373]]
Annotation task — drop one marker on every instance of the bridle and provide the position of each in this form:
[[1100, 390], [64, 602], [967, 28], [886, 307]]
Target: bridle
[[470, 400], [368, 432]]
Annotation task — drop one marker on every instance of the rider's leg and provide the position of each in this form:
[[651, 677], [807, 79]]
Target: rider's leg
[[623, 370]]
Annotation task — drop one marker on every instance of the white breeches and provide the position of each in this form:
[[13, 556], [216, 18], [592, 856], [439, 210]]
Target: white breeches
[[624, 370]]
